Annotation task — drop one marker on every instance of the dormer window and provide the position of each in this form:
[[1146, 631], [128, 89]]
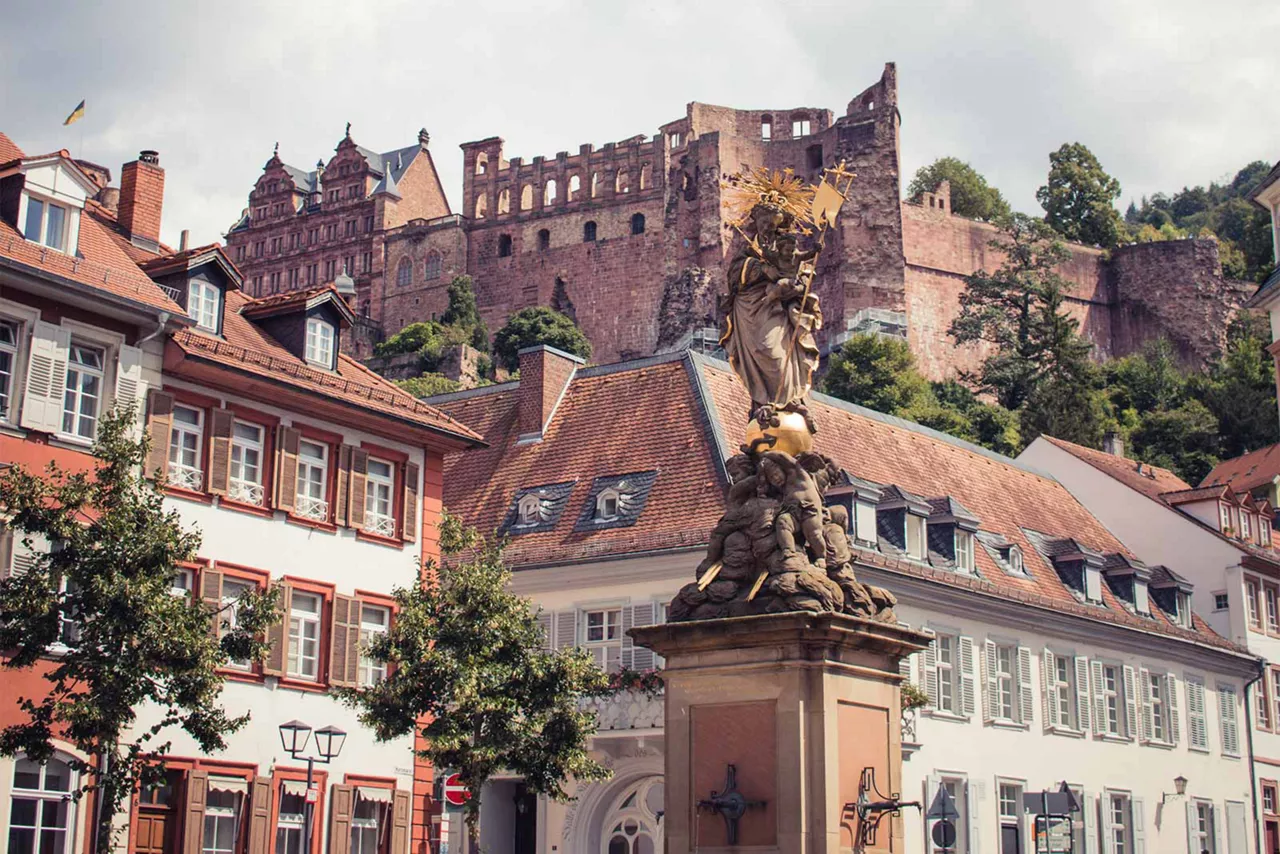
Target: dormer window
[[607, 505], [204, 301], [1246, 525], [1180, 612], [1264, 532], [964, 551], [1014, 560], [915, 536], [527, 512], [46, 223], [320, 342]]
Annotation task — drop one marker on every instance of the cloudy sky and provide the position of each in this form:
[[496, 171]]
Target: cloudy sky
[[1165, 92]]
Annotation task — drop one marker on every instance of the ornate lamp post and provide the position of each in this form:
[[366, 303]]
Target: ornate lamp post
[[294, 736]]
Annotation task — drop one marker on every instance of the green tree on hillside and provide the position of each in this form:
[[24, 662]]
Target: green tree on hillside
[[463, 313], [1239, 389], [971, 195], [1079, 198], [538, 325]]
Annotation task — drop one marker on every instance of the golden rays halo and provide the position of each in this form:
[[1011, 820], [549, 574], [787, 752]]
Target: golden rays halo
[[777, 189]]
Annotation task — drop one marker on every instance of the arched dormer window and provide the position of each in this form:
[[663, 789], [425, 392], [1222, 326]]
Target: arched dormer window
[[607, 503], [528, 511], [637, 223], [1015, 559], [434, 265], [404, 273], [504, 245], [589, 231]]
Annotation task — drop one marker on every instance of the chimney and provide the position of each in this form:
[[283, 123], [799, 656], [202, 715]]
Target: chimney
[[182, 242], [1113, 444], [545, 373], [142, 197]]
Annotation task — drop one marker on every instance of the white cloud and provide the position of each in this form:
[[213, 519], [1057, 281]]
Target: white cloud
[[1166, 92]]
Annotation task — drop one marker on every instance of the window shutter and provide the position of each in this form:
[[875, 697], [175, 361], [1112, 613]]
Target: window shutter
[[904, 664], [1048, 673], [545, 619], [278, 635], [196, 797], [1108, 837], [342, 804], [342, 490], [989, 661], [159, 426], [1026, 691], [287, 439], [1226, 719], [968, 678], [409, 524], [358, 479], [129, 385], [566, 629], [401, 804], [1197, 722], [642, 658], [1099, 700], [1083, 700], [625, 654], [1144, 702], [42, 401], [1130, 703], [221, 422], [6, 552], [972, 794], [931, 784], [1089, 809], [1138, 808], [1219, 837], [345, 622], [1174, 730], [211, 593], [1193, 827], [260, 816], [929, 664]]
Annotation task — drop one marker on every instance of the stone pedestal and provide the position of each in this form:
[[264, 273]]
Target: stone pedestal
[[799, 703]]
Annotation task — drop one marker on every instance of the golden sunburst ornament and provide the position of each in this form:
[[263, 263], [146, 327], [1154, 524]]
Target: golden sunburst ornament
[[779, 190]]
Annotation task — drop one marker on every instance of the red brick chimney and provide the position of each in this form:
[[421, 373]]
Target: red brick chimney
[[142, 196], [545, 373]]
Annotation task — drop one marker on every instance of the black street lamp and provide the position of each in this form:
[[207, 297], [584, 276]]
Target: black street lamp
[[294, 736]]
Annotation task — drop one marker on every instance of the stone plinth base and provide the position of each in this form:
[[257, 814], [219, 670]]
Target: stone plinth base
[[799, 704]]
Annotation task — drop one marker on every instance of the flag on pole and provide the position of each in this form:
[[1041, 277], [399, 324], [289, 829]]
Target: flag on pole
[[76, 115]]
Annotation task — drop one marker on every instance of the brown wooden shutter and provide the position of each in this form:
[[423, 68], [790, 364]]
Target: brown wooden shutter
[[278, 636], [211, 593], [159, 426], [409, 524], [287, 440], [343, 804], [259, 807], [359, 479], [346, 623], [401, 814], [193, 811], [344, 478], [221, 423]]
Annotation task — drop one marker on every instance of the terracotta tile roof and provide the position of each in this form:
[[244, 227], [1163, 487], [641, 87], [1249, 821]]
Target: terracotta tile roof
[[1247, 472], [1151, 481], [107, 219], [155, 265], [8, 150], [246, 347], [1197, 493], [669, 414], [289, 298]]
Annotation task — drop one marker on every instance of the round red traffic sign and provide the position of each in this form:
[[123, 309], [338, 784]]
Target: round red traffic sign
[[455, 794]]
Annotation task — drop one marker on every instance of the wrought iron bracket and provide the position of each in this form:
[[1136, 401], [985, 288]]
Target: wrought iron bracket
[[731, 804], [871, 812]]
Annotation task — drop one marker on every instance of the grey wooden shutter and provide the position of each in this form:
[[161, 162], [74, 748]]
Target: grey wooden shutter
[[545, 621], [990, 665], [46, 386], [1193, 827], [1089, 809], [972, 794], [968, 678], [1026, 691], [159, 427], [566, 629], [193, 805], [278, 635], [221, 423], [1084, 702], [1130, 703], [1144, 703], [341, 806], [260, 816], [1048, 678], [641, 658], [929, 664], [1174, 735], [409, 524], [129, 387], [286, 491], [904, 663], [1138, 808]]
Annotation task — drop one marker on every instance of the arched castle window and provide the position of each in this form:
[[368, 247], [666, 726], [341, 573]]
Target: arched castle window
[[549, 192], [434, 265], [646, 176], [504, 245], [482, 163], [526, 197], [504, 202], [589, 231], [482, 205], [575, 187], [404, 272], [637, 223], [595, 184], [622, 182], [766, 127], [544, 240]]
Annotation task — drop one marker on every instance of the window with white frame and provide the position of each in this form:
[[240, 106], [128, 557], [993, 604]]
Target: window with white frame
[[319, 342], [1203, 838], [229, 619], [1221, 601], [1158, 706], [184, 581], [1227, 722], [46, 223], [602, 636], [8, 364], [948, 674], [204, 300], [1015, 559], [221, 821], [1002, 681], [1251, 596], [1264, 531], [864, 521], [313, 475], [83, 400], [378, 504], [366, 816], [1113, 700], [607, 505], [915, 536], [246, 463], [1224, 517], [41, 811], [305, 611], [374, 620], [958, 789], [799, 126], [964, 550], [1011, 814], [1273, 616], [1120, 826], [1273, 682], [1246, 526], [529, 510], [186, 438], [1060, 690], [291, 822]]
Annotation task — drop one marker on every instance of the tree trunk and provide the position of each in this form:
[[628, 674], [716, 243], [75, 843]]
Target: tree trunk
[[105, 804]]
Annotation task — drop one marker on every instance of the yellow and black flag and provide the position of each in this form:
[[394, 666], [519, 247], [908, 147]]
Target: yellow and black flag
[[76, 115]]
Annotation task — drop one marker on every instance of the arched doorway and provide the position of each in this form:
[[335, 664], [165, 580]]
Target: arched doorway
[[633, 824]]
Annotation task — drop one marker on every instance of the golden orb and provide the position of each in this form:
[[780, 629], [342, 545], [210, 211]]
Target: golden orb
[[792, 434]]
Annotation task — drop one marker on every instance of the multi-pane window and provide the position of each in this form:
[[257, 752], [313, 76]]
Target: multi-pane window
[[945, 662], [246, 463], [404, 272], [46, 223], [1062, 690], [1010, 807], [1121, 814], [1112, 700], [84, 391], [1221, 602], [964, 551], [8, 362], [40, 808], [602, 635], [1003, 682], [364, 826], [1202, 831], [1262, 704], [1158, 706], [1273, 616], [202, 304], [958, 789], [1251, 596], [291, 823], [1273, 684], [229, 619], [304, 635], [374, 620], [915, 536], [185, 439], [435, 263], [313, 472], [799, 127], [1269, 798], [319, 342], [220, 822], [1246, 528], [378, 506]]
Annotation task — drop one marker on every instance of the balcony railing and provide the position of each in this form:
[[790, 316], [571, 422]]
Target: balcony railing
[[245, 491], [312, 508], [185, 477], [626, 710], [376, 523]]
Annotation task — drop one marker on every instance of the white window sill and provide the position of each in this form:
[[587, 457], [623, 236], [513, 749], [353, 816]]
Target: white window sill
[[1066, 731], [1003, 723], [1114, 739], [1162, 745], [1235, 757], [939, 715], [69, 440], [1195, 749]]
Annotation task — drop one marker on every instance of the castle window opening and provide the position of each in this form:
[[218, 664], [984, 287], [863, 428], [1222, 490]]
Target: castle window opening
[[942, 203], [549, 192], [482, 164], [637, 223], [814, 156], [871, 105], [504, 245], [526, 197], [504, 202], [544, 240], [799, 125], [575, 187], [589, 231], [482, 205], [646, 177], [622, 182], [766, 127], [676, 139], [434, 265], [595, 184]]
